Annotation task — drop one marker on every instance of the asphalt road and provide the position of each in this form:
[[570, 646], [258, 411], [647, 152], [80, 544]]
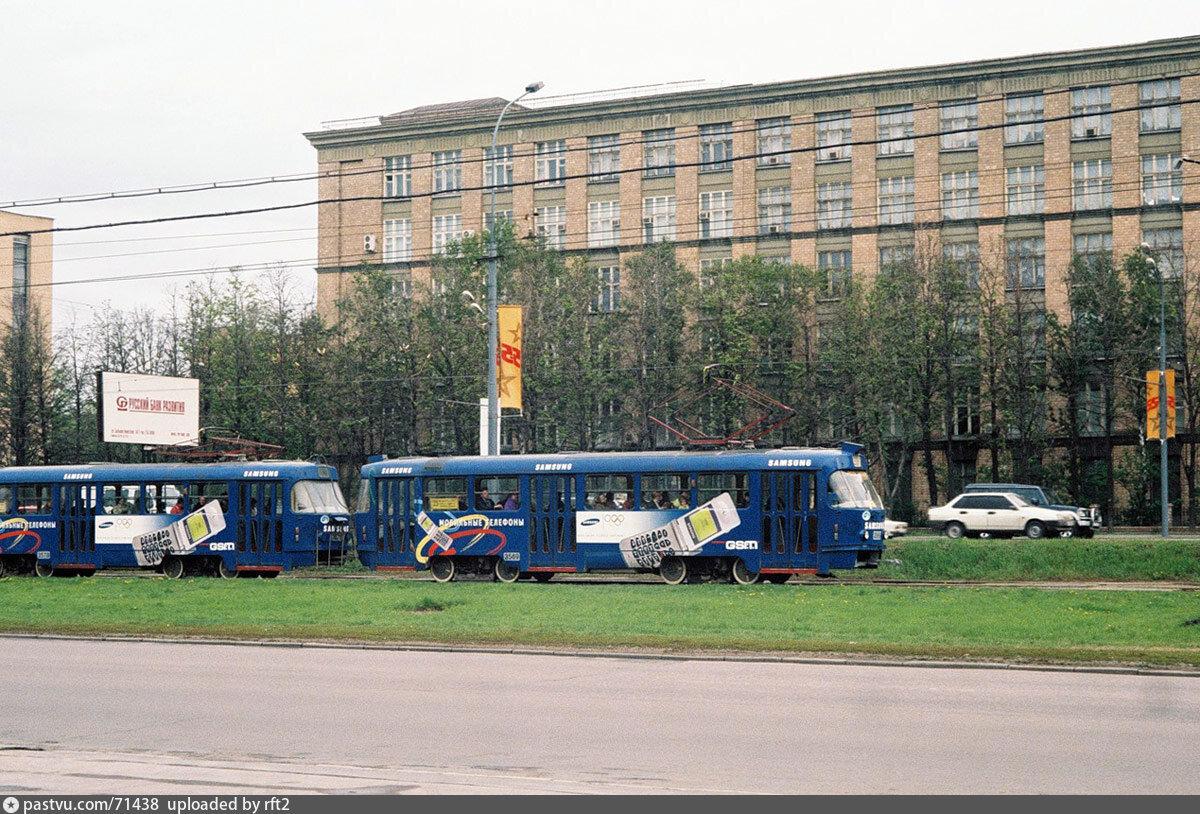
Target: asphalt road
[[141, 717]]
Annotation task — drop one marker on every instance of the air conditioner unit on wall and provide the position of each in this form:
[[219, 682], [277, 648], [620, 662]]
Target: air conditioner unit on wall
[[368, 243]]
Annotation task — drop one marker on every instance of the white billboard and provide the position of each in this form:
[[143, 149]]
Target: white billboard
[[138, 409]]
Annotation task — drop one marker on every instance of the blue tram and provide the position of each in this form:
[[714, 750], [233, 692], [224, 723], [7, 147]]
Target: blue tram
[[225, 519], [740, 515]]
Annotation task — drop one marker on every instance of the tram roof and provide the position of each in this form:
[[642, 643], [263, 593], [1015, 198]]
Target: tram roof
[[221, 470], [666, 460]]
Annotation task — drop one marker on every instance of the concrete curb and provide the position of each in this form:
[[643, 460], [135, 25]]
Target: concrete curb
[[848, 661]]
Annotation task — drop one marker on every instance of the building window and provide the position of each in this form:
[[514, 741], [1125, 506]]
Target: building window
[[397, 176], [1026, 263], [893, 256], [658, 218], [1026, 190], [710, 268], [402, 285], [604, 158], [774, 210], [446, 229], [1162, 179], [895, 129], [1091, 409], [447, 171], [964, 257], [1164, 95], [966, 411], [958, 123], [550, 162], [774, 141], [498, 166], [716, 147], [1167, 248], [397, 240], [896, 200], [1023, 117], [501, 215], [1092, 247], [20, 296], [833, 205], [604, 223], [835, 271], [1093, 184], [960, 195], [1090, 108], [833, 136], [608, 296], [659, 150], [551, 223], [716, 214]]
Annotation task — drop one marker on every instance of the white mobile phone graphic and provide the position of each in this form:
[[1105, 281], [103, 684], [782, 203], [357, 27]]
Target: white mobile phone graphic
[[436, 534], [683, 535], [182, 536]]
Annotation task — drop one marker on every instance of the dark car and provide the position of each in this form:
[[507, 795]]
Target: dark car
[[1087, 518]]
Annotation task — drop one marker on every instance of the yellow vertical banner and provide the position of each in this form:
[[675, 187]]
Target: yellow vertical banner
[[1153, 427], [509, 367]]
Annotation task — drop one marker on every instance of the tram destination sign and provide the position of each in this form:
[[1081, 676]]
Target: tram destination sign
[[138, 409]]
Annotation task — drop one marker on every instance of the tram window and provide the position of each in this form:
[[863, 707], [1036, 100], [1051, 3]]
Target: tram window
[[663, 491], [499, 489], [445, 494], [33, 499], [122, 498], [609, 491], [364, 497], [736, 484], [313, 497], [166, 498], [205, 492], [6, 502]]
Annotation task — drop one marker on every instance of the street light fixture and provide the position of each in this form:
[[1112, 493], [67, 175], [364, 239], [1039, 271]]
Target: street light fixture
[[1162, 390], [493, 398]]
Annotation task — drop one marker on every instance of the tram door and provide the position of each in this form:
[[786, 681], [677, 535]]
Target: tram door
[[394, 534], [790, 532], [76, 523], [260, 523], [552, 521]]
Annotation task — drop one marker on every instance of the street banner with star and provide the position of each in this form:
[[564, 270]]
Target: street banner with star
[[509, 368]]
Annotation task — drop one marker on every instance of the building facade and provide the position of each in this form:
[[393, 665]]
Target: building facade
[[1031, 158], [26, 270]]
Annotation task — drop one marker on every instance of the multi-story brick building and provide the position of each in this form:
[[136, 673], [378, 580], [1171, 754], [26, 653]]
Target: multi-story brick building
[[1034, 157], [26, 258]]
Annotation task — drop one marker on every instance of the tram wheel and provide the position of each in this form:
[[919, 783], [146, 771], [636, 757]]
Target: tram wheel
[[673, 570], [442, 568], [173, 568], [224, 571], [778, 579], [3, 566], [43, 568], [741, 574], [506, 572], [543, 576]]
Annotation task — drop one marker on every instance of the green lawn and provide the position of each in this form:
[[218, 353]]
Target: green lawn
[[1012, 624]]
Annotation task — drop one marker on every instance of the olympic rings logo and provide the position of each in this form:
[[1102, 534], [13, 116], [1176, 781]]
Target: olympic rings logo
[[614, 519]]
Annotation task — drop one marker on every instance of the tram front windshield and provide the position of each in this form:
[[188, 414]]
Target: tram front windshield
[[853, 490], [318, 497]]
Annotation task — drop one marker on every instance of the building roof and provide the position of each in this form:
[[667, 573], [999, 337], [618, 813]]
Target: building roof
[[447, 110]]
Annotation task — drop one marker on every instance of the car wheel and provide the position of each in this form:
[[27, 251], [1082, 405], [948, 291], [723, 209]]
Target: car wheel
[[1035, 529], [956, 531]]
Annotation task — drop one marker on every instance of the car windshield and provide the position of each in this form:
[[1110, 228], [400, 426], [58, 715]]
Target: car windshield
[[1020, 501], [318, 496], [853, 490]]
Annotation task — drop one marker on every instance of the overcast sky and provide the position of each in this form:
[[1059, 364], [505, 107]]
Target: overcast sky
[[117, 95]]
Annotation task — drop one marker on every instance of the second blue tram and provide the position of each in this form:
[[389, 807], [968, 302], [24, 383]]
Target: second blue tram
[[740, 515], [257, 518]]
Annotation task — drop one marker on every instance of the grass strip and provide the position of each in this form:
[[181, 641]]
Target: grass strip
[[1012, 624]]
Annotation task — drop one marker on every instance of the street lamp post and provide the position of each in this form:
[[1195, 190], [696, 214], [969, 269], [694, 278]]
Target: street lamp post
[[1162, 393], [493, 398]]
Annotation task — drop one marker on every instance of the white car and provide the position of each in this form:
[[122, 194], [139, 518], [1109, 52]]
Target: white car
[[894, 528], [997, 514]]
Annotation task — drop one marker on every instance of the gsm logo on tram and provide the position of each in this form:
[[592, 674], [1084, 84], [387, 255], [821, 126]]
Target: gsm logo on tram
[[741, 545]]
